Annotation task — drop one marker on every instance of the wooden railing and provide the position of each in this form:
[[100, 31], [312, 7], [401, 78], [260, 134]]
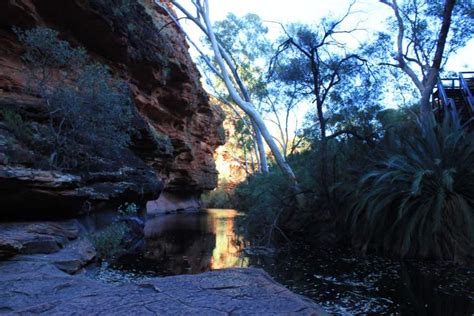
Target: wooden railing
[[448, 102], [468, 73], [450, 83], [465, 87]]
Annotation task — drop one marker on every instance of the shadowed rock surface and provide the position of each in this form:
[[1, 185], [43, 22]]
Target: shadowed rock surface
[[56, 243], [56, 191], [36, 237], [40, 288], [44, 275]]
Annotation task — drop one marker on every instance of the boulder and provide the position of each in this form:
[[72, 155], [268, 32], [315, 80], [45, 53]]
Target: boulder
[[9, 248], [33, 238], [70, 259]]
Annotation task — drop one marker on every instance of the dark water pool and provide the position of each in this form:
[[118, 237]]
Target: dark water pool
[[339, 280]]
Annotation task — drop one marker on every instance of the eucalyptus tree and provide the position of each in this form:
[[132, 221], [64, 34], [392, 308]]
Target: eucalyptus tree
[[227, 70], [245, 40], [313, 61], [282, 105], [240, 141], [427, 32], [353, 108]]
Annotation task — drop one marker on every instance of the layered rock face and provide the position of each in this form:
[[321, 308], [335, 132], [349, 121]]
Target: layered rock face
[[178, 130]]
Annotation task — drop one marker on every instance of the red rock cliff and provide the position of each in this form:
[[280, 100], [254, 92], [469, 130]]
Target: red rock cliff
[[139, 44]]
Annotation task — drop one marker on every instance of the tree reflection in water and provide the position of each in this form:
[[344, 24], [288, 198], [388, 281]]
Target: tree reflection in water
[[341, 281], [189, 243]]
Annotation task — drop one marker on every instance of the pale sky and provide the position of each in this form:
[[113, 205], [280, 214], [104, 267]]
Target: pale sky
[[283, 11], [370, 12]]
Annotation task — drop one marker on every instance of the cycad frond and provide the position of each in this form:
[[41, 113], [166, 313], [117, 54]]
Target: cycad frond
[[419, 199]]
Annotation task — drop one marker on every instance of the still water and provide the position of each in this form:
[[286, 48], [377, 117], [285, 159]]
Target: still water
[[339, 280]]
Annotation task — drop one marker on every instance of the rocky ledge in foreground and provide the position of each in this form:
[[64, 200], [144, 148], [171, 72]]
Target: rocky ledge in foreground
[[40, 283]]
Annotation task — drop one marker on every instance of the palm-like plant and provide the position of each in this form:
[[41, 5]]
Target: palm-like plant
[[418, 201]]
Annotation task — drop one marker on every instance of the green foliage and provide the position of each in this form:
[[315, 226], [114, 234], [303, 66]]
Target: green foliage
[[98, 108], [217, 198], [305, 44], [133, 19], [16, 125], [422, 20], [263, 197], [131, 27], [45, 50], [270, 203], [108, 242], [418, 199], [122, 8], [88, 116], [246, 41], [395, 118], [128, 209], [244, 35], [221, 132], [162, 140], [416, 189]]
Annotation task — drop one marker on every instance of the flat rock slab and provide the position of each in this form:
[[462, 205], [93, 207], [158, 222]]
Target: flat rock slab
[[32, 287], [71, 259], [36, 237]]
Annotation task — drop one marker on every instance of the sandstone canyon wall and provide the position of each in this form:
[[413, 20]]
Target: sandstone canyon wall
[[178, 128]]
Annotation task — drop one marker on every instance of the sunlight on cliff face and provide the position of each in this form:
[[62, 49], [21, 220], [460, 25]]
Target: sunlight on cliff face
[[229, 164], [228, 245]]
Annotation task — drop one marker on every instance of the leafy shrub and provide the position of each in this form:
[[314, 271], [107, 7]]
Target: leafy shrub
[[128, 209], [162, 141], [134, 20], [122, 8], [108, 242], [98, 110], [263, 197], [418, 199], [15, 124], [217, 198], [266, 197], [89, 111], [44, 50]]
